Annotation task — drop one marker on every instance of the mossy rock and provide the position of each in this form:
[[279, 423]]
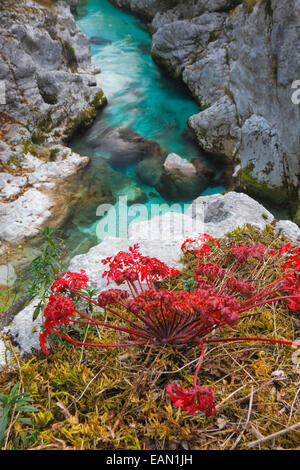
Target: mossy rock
[[278, 195], [297, 217]]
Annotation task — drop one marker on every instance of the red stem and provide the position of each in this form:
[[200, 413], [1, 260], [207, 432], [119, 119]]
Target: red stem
[[250, 307], [228, 277], [80, 343], [112, 327], [269, 287], [264, 340], [199, 364], [108, 309]]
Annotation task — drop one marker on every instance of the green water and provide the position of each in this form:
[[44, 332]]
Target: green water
[[140, 97]]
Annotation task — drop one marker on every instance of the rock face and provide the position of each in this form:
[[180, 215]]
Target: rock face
[[160, 237], [30, 201], [146, 9], [45, 64], [181, 180], [223, 213], [49, 91], [239, 59]]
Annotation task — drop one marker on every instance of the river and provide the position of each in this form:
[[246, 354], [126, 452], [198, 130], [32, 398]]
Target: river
[[140, 98]]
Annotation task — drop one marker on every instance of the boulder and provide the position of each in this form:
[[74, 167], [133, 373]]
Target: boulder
[[182, 180], [223, 213], [125, 146], [289, 229]]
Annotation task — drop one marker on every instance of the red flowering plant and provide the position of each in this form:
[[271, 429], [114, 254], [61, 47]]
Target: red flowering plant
[[148, 314]]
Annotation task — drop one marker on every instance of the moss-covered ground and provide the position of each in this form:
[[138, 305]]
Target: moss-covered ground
[[116, 399]]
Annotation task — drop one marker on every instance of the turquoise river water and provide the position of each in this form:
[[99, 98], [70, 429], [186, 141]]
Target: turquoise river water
[[140, 97]]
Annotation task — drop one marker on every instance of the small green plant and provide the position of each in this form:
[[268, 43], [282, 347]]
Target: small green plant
[[38, 138], [45, 267], [70, 54], [15, 160], [28, 147], [13, 407], [53, 154]]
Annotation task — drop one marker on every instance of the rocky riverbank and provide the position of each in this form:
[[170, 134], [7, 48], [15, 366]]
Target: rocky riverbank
[[50, 91], [239, 59]]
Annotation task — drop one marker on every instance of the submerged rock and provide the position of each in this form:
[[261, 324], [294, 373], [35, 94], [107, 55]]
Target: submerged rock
[[81, 12], [150, 170], [119, 184], [125, 146], [182, 180], [144, 47], [97, 40]]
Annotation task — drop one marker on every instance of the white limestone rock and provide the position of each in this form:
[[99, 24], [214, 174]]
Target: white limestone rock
[[216, 128], [20, 219], [11, 186], [261, 151], [224, 213], [8, 275], [25, 331], [289, 229], [46, 65], [176, 163]]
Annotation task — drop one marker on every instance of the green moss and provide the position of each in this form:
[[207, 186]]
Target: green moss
[[249, 5], [28, 147], [53, 154], [16, 160], [87, 116], [99, 100], [297, 217], [274, 194], [49, 99], [212, 36], [70, 54], [38, 137]]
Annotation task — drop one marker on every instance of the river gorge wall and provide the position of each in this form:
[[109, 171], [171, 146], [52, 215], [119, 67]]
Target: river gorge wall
[[240, 60], [50, 91]]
